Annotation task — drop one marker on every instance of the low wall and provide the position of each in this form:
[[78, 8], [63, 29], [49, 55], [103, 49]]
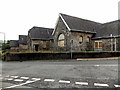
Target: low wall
[[56, 56]]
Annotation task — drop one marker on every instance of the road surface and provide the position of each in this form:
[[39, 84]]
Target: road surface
[[60, 74]]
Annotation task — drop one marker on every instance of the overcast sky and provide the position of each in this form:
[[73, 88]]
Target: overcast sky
[[18, 16]]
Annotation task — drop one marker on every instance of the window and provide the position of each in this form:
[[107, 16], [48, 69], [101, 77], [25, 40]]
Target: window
[[98, 44], [88, 39], [81, 39], [61, 40]]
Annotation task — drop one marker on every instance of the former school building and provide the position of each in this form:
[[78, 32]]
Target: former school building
[[73, 34]]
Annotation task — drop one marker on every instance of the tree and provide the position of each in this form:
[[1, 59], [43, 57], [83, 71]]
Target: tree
[[5, 46]]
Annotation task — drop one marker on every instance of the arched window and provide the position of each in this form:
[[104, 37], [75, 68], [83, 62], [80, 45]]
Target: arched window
[[61, 40], [81, 39]]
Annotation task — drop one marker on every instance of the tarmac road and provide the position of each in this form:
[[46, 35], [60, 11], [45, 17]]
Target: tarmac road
[[60, 74]]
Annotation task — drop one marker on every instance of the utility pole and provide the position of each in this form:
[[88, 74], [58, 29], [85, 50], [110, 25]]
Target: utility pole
[[71, 48], [4, 40], [111, 42], [4, 36], [115, 43]]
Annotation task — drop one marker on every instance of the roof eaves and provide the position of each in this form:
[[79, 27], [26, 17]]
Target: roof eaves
[[106, 37], [40, 38], [82, 31]]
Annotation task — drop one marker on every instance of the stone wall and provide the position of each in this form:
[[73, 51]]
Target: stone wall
[[81, 46], [23, 47], [14, 49], [61, 29], [118, 44], [58, 56], [43, 45], [71, 39]]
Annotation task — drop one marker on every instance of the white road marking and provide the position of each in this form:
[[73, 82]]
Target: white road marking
[[36, 79], [81, 83], [97, 65], [27, 82], [24, 77], [106, 65], [18, 80], [1, 78], [64, 81], [14, 76], [99, 84], [117, 85], [10, 79], [49, 80]]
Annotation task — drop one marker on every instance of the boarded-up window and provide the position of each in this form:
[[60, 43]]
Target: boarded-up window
[[61, 40], [98, 44]]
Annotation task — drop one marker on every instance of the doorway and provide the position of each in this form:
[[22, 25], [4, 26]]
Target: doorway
[[36, 47]]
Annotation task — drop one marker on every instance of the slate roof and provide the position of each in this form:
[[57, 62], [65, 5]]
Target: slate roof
[[108, 29], [78, 24], [40, 33], [14, 43], [23, 39]]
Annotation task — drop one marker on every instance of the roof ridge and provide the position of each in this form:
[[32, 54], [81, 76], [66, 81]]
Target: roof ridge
[[41, 27], [81, 18], [111, 22]]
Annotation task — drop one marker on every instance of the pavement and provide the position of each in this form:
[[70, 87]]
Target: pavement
[[60, 74], [107, 58]]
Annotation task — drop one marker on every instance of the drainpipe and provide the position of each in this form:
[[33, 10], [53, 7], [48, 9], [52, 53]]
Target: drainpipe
[[111, 43], [4, 42], [4, 36], [115, 44], [71, 48]]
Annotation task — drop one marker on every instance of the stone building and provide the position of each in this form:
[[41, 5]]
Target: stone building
[[39, 38], [14, 45], [76, 34], [23, 43], [72, 33]]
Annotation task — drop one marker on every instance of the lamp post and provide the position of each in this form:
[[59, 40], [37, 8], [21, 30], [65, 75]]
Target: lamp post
[[115, 44], [4, 36], [111, 42], [71, 48], [4, 41]]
